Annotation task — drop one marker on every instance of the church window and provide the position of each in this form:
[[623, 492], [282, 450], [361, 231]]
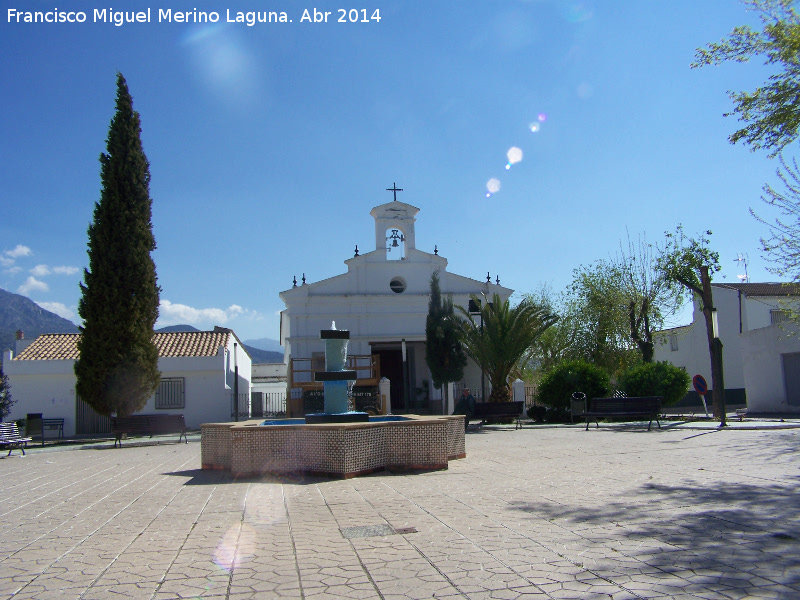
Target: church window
[[398, 285]]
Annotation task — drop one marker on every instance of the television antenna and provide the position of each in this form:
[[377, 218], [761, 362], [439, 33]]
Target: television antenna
[[742, 259]]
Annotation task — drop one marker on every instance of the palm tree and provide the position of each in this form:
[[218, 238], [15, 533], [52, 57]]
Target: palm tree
[[502, 337]]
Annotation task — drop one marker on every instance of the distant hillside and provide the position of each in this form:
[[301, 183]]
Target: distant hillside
[[265, 344], [174, 328], [21, 313], [263, 356]]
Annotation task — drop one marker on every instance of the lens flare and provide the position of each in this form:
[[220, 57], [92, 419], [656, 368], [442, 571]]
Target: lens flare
[[514, 155], [542, 117], [535, 127], [493, 186]]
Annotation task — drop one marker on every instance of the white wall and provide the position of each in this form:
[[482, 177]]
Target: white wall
[[751, 358], [52, 394], [763, 368], [48, 387]]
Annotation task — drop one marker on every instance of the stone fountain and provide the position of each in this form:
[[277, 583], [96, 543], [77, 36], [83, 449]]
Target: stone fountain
[[334, 380], [336, 442]]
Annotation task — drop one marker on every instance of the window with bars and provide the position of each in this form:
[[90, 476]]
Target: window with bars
[[170, 393], [778, 316], [673, 342]]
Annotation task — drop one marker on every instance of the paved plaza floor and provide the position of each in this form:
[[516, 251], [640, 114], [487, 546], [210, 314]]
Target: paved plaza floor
[[615, 512]]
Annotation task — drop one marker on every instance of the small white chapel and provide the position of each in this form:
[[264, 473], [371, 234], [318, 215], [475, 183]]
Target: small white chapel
[[382, 300]]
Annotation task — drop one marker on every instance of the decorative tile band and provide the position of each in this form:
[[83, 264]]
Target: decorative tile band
[[333, 450]]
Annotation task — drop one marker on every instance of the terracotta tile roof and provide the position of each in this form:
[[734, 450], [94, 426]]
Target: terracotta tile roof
[[64, 346], [763, 289]]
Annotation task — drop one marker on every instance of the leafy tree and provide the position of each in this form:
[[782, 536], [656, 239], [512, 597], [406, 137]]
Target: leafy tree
[[555, 344], [651, 296], [772, 116], [6, 401], [505, 336], [656, 379], [691, 262], [443, 350], [771, 113], [592, 323], [599, 311], [557, 385], [783, 245], [118, 366]]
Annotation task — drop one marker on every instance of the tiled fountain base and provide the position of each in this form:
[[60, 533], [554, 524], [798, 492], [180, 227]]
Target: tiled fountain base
[[332, 450]]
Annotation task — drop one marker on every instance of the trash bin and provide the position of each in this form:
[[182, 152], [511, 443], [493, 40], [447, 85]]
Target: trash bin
[[577, 406], [34, 425]]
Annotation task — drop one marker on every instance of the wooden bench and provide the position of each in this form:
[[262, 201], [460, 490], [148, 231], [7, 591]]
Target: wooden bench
[[53, 425], [37, 427], [499, 410], [147, 425], [9, 436], [645, 407]]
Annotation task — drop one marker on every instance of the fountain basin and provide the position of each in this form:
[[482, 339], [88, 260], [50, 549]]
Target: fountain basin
[[340, 450], [348, 417]]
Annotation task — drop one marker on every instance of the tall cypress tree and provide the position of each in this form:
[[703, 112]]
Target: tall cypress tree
[[444, 353], [118, 366]]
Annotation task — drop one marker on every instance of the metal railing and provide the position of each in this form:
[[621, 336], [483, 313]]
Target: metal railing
[[258, 405], [267, 404]]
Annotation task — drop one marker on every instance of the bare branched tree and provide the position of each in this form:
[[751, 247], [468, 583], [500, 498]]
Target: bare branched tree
[[651, 296], [783, 244]]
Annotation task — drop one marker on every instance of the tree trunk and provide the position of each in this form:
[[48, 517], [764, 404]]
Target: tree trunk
[[714, 349]]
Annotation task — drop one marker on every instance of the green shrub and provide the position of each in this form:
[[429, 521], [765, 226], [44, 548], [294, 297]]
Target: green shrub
[[556, 387], [536, 413], [656, 379], [548, 414]]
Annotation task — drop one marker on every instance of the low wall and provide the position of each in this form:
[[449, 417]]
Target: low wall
[[332, 450]]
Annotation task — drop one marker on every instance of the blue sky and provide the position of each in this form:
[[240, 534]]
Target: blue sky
[[270, 144]]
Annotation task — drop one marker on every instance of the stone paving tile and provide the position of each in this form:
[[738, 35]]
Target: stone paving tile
[[615, 513]]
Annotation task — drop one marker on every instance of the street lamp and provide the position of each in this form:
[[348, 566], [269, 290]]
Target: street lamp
[[405, 374], [235, 384], [475, 309]]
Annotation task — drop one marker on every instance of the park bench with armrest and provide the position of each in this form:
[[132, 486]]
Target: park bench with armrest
[[9, 436], [645, 407], [499, 410], [147, 425]]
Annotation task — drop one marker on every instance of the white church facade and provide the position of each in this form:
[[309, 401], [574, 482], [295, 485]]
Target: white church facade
[[382, 300]]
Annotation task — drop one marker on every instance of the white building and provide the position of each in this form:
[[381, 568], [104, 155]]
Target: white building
[[197, 379], [383, 300], [268, 389], [761, 351]]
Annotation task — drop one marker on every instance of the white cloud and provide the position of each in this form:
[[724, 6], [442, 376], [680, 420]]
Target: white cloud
[[65, 270], [9, 257], [33, 285], [57, 307], [44, 270], [12, 270], [175, 314], [40, 271], [19, 251]]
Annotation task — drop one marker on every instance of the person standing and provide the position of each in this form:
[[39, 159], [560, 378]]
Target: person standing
[[466, 407]]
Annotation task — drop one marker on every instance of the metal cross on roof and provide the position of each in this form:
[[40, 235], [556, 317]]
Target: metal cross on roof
[[394, 189]]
